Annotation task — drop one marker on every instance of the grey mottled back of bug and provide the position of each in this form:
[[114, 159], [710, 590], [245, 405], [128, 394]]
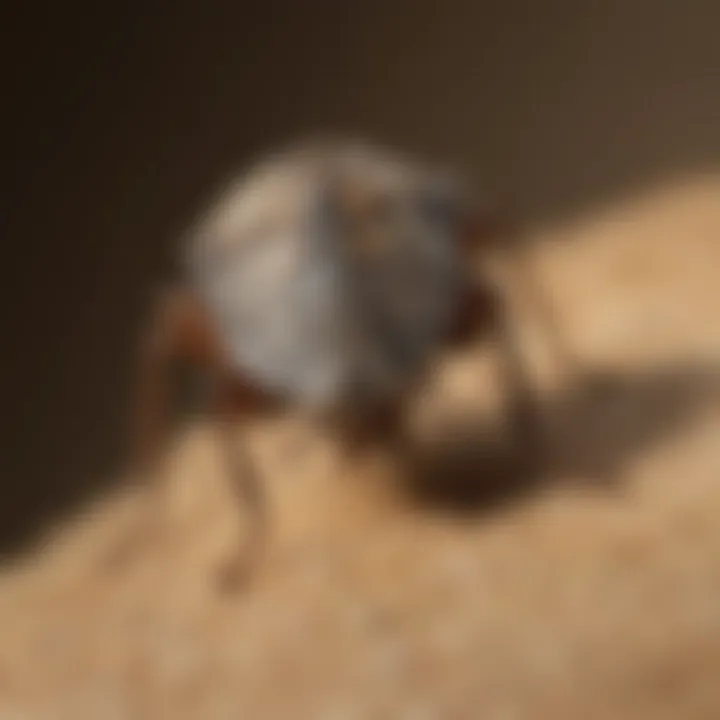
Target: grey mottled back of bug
[[332, 271]]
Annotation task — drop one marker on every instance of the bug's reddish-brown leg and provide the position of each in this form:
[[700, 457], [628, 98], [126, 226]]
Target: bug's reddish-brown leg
[[179, 329], [487, 310], [523, 404], [528, 285], [500, 229], [486, 313], [237, 401]]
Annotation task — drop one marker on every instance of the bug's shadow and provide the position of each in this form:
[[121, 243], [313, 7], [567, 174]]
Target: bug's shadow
[[589, 431]]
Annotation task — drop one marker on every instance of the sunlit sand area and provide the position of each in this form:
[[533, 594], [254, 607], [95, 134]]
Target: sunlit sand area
[[589, 591]]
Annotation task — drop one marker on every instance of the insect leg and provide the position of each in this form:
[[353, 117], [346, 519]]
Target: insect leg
[[177, 329], [234, 400]]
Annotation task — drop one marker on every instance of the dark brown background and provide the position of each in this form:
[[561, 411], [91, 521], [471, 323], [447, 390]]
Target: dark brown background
[[122, 118]]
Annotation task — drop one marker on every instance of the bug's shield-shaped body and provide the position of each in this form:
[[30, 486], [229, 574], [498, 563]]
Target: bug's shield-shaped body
[[332, 273]]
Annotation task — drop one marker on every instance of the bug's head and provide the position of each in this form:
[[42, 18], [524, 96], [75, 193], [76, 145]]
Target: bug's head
[[388, 205]]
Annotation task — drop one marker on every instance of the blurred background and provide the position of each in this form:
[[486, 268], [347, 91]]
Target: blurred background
[[600, 121]]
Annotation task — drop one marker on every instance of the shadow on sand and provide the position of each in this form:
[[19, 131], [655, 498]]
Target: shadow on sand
[[589, 431]]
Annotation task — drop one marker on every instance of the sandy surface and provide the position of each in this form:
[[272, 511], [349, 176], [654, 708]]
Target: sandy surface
[[595, 593]]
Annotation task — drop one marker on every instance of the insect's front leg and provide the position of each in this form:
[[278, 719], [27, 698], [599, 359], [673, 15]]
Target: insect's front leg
[[177, 329], [487, 314], [235, 402]]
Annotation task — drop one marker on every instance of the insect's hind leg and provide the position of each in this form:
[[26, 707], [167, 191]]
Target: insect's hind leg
[[492, 317], [235, 400], [177, 330], [523, 399]]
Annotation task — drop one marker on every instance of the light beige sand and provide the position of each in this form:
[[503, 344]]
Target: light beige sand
[[573, 602]]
